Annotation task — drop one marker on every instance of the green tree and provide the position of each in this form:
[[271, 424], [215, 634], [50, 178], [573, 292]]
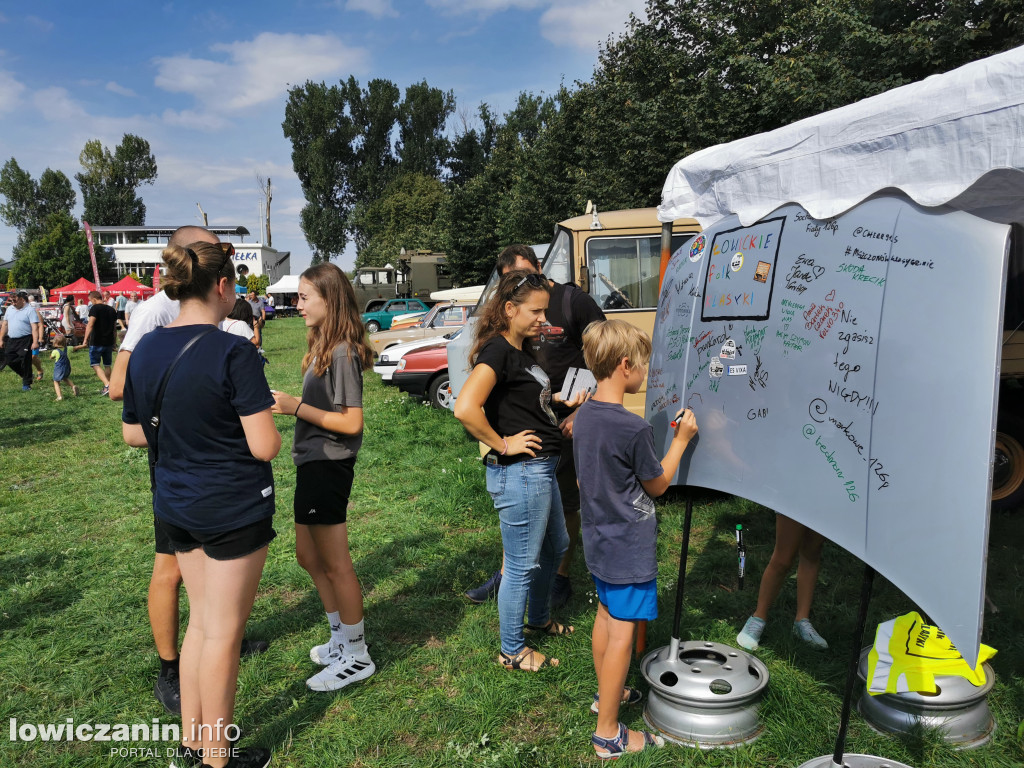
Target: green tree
[[58, 255], [423, 147], [28, 202], [258, 283], [110, 181], [404, 216]]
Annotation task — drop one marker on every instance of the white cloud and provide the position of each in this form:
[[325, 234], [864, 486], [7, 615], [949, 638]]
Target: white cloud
[[40, 24], [578, 23], [120, 89], [584, 23], [257, 71], [56, 105], [10, 92], [376, 8], [485, 7]]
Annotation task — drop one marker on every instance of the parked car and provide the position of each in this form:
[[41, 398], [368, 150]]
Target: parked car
[[424, 374], [387, 362], [440, 320], [381, 319]]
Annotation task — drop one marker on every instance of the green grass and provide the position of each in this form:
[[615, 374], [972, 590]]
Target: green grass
[[76, 552]]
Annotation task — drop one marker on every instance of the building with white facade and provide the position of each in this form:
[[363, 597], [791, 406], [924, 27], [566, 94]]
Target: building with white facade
[[138, 249]]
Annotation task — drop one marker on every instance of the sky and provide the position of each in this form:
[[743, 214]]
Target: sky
[[206, 83]]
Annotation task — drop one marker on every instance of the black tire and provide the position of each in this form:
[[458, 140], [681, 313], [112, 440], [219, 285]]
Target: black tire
[[1008, 469], [373, 326], [438, 393]]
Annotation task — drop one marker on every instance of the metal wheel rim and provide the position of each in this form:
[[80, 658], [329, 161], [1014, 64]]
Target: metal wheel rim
[[1008, 469]]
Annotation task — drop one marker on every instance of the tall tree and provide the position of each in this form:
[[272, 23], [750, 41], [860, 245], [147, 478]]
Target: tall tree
[[423, 147], [58, 255], [405, 216], [28, 202], [110, 181]]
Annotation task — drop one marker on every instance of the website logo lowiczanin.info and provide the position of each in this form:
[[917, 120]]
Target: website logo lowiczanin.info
[[152, 731]]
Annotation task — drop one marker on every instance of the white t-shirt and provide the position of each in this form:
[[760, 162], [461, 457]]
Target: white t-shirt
[[270, 300], [130, 307], [152, 313], [83, 312], [237, 327]]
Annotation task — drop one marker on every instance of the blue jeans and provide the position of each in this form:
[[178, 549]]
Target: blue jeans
[[533, 533]]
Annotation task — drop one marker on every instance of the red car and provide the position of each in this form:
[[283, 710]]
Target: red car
[[424, 373]]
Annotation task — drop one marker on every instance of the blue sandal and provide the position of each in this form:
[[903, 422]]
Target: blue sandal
[[632, 696], [613, 749]]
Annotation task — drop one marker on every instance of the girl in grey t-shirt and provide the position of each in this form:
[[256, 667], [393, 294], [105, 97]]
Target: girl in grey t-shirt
[[328, 434]]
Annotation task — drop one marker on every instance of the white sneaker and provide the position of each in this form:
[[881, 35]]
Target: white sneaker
[[349, 669], [326, 654]]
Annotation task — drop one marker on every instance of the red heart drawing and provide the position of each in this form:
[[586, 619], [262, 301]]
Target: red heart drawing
[[831, 295]]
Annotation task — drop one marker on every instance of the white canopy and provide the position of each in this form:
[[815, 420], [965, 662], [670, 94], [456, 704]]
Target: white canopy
[[287, 284], [955, 138]]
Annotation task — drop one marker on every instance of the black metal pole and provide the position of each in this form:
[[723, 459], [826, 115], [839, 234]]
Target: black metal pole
[[851, 676], [681, 582]]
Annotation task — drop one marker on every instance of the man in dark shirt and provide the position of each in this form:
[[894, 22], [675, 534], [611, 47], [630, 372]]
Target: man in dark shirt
[[99, 337], [570, 311]]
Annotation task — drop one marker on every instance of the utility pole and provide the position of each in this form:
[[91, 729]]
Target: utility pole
[[268, 194]]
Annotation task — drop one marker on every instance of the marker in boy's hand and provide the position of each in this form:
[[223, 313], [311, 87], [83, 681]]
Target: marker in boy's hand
[[684, 424]]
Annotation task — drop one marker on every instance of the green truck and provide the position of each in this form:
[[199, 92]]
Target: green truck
[[419, 273]]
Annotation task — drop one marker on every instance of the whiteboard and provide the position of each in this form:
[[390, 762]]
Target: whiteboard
[[845, 373]]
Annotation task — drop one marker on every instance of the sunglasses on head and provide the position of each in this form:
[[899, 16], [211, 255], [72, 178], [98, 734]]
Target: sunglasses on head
[[535, 279]]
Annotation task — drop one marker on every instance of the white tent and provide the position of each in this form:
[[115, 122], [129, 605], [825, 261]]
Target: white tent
[[955, 138], [287, 284], [952, 142]]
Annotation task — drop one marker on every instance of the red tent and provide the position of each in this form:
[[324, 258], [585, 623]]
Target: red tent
[[129, 284], [79, 289]]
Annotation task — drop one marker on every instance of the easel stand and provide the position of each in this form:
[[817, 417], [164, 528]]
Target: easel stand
[[838, 758], [702, 694]]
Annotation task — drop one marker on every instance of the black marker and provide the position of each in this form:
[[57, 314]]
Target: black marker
[[675, 422], [741, 551]]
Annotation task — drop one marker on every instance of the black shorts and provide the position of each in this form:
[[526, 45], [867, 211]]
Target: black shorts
[[163, 539], [322, 489], [565, 475], [226, 545]]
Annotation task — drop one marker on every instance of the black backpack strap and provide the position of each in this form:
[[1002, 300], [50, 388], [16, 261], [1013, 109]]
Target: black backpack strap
[[154, 420]]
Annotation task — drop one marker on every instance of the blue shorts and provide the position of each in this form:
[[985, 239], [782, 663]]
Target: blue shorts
[[629, 602], [96, 354]]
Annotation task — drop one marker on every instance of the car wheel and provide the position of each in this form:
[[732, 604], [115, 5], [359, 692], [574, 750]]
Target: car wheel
[[373, 326], [1008, 468], [438, 393]]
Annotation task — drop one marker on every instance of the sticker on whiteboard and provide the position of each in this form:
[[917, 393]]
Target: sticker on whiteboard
[[737, 262], [716, 369], [697, 249], [728, 350], [737, 370], [761, 273]]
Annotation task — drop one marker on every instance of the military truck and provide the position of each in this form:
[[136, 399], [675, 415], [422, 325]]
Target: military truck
[[419, 273]]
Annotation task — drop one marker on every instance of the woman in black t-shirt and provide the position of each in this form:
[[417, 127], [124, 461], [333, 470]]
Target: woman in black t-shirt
[[506, 404]]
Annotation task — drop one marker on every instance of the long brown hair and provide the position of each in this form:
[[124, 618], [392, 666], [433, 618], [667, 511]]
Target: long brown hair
[[341, 324], [514, 286]]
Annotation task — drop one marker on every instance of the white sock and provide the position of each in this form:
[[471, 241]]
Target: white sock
[[337, 637], [355, 642]]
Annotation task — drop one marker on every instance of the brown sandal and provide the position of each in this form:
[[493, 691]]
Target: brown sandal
[[525, 660], [553, 628]]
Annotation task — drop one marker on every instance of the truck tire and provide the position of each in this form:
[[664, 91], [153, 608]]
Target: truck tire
[[1008, 469], [373, 326], [437, 391]]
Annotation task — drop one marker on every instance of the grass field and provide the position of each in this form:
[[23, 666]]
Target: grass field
[[76, 553]]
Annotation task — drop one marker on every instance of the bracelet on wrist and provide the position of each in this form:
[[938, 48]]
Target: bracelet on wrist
[[296, 414], [505, 443]]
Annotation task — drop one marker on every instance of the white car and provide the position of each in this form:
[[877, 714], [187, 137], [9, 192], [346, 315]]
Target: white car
[[387, 363]]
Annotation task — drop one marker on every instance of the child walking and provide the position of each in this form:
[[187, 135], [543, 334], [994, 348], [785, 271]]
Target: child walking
[[328, 435], [619, 472], [61, 366]]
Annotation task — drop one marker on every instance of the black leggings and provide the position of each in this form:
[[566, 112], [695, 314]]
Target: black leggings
[[18, 355]]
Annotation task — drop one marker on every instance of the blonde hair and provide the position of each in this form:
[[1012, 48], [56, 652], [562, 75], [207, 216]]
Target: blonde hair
[[342, 323], [606, 342]]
